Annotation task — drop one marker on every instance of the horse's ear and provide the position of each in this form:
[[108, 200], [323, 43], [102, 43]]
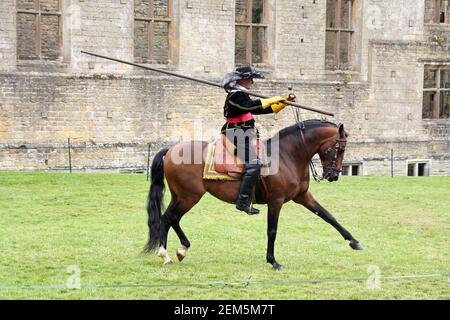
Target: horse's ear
[[341, 130]]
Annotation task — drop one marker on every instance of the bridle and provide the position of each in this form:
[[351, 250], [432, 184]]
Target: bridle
[[337, 147]]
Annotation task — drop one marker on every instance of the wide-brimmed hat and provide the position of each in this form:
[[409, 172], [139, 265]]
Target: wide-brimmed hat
[[247, 72]]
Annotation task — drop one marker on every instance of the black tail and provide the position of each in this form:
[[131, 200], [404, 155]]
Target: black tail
[[155, 200]]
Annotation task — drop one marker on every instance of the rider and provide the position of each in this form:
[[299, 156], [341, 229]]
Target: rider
[[240, 126]]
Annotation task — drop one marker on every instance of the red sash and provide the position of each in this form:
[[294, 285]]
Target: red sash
[[242, 118]]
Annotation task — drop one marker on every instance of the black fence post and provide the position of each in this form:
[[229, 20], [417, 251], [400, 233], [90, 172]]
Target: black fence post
[[70, 156], [148, 161], [392, 163]]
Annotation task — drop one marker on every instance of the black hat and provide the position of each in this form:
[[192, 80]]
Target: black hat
[[240, 73], [249, 72]]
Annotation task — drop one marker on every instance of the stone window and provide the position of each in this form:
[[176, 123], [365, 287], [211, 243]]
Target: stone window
[[351, 169], [251, 31], [153, 31], [39, 29], [339, 34], [437, 11], [436, 92], [418, 168]]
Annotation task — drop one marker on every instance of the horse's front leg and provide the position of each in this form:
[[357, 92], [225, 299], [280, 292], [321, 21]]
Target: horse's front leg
[[308, 201], [273, 214]]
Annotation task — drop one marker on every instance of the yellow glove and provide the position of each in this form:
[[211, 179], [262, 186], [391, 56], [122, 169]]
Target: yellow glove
[[270, 101], [277, 107]]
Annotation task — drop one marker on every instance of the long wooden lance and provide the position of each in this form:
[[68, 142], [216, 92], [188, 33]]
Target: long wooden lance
[[210, 83]]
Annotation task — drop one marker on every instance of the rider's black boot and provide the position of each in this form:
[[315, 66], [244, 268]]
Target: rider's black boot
[[248, 183]]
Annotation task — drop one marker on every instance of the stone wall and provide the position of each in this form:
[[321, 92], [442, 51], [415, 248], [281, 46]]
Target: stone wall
[[299, 33], [7, 34], [112, 113], [204, 41], [104, 27]]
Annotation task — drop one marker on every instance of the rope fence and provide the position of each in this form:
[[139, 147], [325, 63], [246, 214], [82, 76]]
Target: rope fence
[[244, 283]]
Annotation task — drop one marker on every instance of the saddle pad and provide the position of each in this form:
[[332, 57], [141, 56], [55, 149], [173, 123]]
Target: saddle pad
[[210, 173]]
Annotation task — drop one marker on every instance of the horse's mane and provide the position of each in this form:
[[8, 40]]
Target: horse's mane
[[294, 129], [312, 123]]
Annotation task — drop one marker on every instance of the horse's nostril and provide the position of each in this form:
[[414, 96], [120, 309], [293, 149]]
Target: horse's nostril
[[333, 178]]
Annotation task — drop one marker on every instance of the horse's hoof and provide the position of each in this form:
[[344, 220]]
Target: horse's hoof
[[181, 254], [355, 245], [168, 262], [277, 267]]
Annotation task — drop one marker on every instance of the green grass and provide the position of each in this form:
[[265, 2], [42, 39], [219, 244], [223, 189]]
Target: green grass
[[98, 223]]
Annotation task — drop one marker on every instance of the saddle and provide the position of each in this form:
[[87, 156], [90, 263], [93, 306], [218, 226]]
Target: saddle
[[221, 162]]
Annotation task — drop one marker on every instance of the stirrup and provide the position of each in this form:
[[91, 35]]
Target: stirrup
[[250, 210]]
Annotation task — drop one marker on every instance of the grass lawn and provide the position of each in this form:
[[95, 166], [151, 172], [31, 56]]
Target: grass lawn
[[97, 223]]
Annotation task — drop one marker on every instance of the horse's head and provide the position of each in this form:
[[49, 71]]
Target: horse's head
[[331, 154]]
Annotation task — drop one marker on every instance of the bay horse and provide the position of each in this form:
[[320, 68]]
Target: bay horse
[[297, 145]]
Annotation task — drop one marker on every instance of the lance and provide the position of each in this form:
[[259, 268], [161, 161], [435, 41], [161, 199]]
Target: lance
[[210, 83]]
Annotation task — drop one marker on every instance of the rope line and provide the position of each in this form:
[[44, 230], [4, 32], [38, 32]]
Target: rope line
[[245, 283]]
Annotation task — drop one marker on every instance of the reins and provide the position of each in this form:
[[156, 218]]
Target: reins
[[302, 127]]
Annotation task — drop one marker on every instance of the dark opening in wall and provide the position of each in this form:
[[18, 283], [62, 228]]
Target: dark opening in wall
[[251, 31], [152, 31], [418, 169], [39, 29]]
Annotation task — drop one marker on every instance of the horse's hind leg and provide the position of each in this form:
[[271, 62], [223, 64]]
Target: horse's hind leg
[[171, 218], [185, 244], [311, 204], [164, 229]]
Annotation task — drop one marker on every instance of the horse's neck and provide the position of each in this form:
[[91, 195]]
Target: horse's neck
[[295, 149], [303, 145], [306, 144]]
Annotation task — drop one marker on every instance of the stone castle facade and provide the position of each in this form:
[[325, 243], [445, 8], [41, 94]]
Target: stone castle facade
[[381, 66]]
